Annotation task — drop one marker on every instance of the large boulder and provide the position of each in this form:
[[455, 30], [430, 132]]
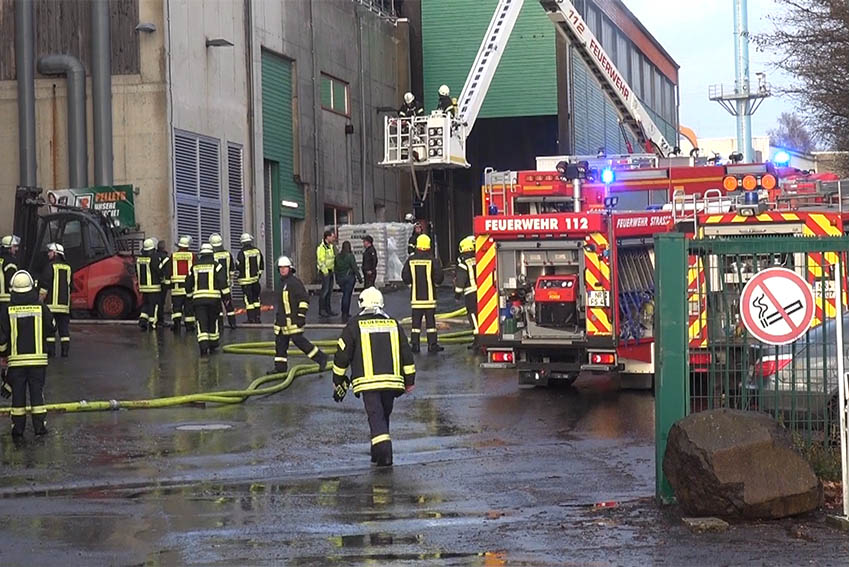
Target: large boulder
[[741, 464]]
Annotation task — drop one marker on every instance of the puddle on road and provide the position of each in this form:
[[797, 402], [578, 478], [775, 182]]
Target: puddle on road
[[203, 427], [485, 559]]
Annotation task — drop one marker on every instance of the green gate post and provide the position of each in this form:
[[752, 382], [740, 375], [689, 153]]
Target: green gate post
[[671, 346]]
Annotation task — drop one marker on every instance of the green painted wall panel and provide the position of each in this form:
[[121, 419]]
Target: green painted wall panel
[[277, 130], [525, 83]]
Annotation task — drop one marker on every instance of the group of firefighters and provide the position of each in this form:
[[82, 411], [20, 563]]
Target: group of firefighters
[[31, 312], [372, 348], [412, 107]]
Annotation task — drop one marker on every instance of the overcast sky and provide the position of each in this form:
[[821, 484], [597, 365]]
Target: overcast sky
[[698, 35]]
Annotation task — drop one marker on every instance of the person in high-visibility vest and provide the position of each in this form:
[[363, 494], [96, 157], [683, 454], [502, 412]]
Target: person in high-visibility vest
[[149, 276], [225, 260], [207, 284], [55, 292], [466, 285], [423, 272], [325, 259], [177, 269], [249, 267], [24, 325], [373, 345], [290, 317], [8, 264]]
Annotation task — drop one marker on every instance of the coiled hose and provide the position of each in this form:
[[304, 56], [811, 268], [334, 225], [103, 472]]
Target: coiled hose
[[262, 386]]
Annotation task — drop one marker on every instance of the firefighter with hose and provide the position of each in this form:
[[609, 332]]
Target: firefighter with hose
[[374, 347]]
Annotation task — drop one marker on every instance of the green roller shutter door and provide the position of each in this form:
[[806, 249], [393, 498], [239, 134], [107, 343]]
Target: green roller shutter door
[[525, 83], [277, 132]]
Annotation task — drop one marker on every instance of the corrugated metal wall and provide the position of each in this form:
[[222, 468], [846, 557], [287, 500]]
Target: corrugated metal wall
[[525, 83], [277, 129]]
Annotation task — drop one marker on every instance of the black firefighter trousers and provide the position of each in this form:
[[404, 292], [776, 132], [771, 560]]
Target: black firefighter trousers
[[379, 406], [430, 316], [281, 346], [207, 318], [23, 378]]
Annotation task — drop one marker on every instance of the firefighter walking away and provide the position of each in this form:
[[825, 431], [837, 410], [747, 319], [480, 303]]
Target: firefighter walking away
[[465, 284], [423, 272], [24, 325], [249, 265], [55, 292], [177, 270], [225, 260], [374, 347], [290, 318], [149, 276], [207, 286]]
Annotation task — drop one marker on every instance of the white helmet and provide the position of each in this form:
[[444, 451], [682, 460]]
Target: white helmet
[[149, 244], [22, 282], [444, 90], [56, 247], [215, 239], [409, 217], [184, 241], [10, 240], [285, 262], [409, 98], [206, 248], [370, 298], [246, 238]]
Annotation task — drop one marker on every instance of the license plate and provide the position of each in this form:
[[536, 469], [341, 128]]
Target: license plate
[[828, 292], [597, 299]]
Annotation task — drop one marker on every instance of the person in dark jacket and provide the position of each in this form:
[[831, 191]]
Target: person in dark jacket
[[8, 264], [423, 273], [208, 284], [370, 262], [345, 272], [446, 103], [22, 345], [55, 292], [373, 345], [411, 242], [290, 318], [149, 278], [411, 107]]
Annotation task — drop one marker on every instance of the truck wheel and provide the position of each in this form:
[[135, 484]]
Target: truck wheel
[[113, 303]]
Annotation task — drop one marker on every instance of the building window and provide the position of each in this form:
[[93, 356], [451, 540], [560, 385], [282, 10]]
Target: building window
[[197, 186], [334, 95], [336, 216]]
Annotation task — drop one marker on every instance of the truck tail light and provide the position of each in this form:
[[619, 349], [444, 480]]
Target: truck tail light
[[502, 356], [608, 358], [770, 365]]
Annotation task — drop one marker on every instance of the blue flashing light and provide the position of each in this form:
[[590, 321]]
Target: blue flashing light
[[751, 198], [607, 176], [781, 157]]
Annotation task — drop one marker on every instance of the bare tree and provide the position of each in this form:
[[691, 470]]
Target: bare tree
[[810, 40], [791, 133]]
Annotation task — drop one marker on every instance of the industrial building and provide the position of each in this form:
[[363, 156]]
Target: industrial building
[[225, 116], [542, 101]]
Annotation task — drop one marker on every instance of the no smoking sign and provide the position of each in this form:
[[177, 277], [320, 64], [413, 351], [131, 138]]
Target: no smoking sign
[[777, 306]]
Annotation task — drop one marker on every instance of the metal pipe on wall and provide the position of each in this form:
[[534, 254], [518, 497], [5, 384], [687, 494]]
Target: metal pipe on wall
[[24, 68], [75, 74], [101, 73]]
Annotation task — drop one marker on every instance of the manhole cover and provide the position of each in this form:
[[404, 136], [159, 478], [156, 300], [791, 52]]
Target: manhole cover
[[204, 427]]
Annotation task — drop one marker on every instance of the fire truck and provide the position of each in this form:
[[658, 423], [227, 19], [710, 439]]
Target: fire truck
[[566, 266]]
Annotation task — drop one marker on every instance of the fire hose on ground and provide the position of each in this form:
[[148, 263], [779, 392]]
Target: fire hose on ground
[[263, 386]]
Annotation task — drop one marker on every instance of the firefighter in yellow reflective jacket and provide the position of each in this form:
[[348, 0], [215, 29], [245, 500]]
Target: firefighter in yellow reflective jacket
[[149, 276], [250, 266], [55, 292], [8, 264], [207, 285], [373, 345], [24, 325], [466, 285], [290, 318], [225, 260], [423, 272], [179, 266]]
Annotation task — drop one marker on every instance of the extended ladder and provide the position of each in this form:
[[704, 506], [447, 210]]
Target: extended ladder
[[575, 30]]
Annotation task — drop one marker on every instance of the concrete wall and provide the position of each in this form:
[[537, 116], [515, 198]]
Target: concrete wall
[[334, 167], [140, 132]]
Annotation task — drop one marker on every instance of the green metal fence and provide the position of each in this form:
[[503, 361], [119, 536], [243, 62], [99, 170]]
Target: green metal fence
[[706, 358]]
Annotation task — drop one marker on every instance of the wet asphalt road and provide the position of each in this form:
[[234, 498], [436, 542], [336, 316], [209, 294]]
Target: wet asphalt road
[[485, 473]]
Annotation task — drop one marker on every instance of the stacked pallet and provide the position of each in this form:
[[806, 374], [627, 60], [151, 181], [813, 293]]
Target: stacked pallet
[[390, 241]]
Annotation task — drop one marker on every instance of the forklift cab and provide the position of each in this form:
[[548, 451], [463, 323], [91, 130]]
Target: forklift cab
[[85, 240]]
